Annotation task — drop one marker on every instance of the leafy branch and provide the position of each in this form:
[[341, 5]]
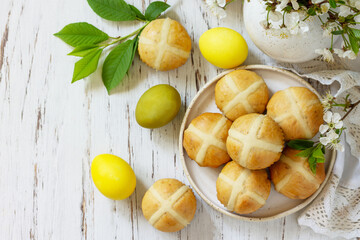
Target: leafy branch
[[89, 42], [330, 132]]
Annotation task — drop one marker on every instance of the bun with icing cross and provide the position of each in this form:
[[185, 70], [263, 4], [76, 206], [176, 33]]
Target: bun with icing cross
[[298, 111], [241, 92], [164, 44], [255, 141], [292, 176], [204, 139], [169, 205], [242, 190]]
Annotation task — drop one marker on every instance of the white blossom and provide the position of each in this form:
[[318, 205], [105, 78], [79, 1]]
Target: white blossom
[[326, 54], [337, 146], [216, 9], [323, 128], [283, 4], [357, 18], [325, 7], [328, 28], [331, 136], [355, 3], [345, 54], [275, 16], [339, 52], [349, 54], [316, 1], [304, 27], [295, 24], [295, 4], [344, 11], [326, 101], [333, 120], [221, 3], [332, 141], [324, 141]]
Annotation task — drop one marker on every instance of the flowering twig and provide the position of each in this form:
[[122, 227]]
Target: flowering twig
[[343, 17], [352, 107], [330, 132]]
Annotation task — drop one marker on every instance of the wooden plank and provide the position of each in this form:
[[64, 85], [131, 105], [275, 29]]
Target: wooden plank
[[51, 130]]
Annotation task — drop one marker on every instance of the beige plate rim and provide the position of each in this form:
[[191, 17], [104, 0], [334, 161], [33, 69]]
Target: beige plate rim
[[194, 186]]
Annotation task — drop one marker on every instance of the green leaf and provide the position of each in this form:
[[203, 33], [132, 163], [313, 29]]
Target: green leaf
[[135, 45], [300, 144], [354, 44], [311, 11], [339, 32], [81, 33], [117, 64], [318, 153], [114, 10], [287, 9], [312, 164], [332, 3], [86, 66], [306, 153], [155, 9], [83, 50], [137, 12], [356, 32]]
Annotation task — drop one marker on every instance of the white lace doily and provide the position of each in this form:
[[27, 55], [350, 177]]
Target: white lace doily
[[336, 211]]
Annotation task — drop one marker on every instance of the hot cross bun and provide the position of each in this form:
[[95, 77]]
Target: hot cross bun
[[164, 44], [241, 92]]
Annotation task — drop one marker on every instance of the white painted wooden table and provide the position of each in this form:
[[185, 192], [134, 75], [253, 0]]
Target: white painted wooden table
[[51, 130]]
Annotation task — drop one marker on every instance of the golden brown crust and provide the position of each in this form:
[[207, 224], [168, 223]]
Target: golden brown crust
[[256, 183], [185, 206], [174, 51], [296, 100], [242, 80], [296, 185], [260, 154], [206, 123]]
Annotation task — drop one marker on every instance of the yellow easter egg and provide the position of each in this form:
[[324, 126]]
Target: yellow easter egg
[[223, 47], [113, 176]]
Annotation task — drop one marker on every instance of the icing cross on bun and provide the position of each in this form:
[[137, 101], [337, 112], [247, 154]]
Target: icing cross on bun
[[164, 44], [292, 175], [255, 141], [169, 205], [242, 190], [298, 111], [204, 139], [241, 92]]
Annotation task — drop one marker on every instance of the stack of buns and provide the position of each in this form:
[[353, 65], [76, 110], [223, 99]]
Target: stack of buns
[[249, 142]]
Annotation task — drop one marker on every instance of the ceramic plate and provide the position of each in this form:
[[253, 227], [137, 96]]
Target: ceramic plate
[[203, 179]]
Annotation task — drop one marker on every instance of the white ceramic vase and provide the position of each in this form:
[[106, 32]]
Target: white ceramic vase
[[279, 44]]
